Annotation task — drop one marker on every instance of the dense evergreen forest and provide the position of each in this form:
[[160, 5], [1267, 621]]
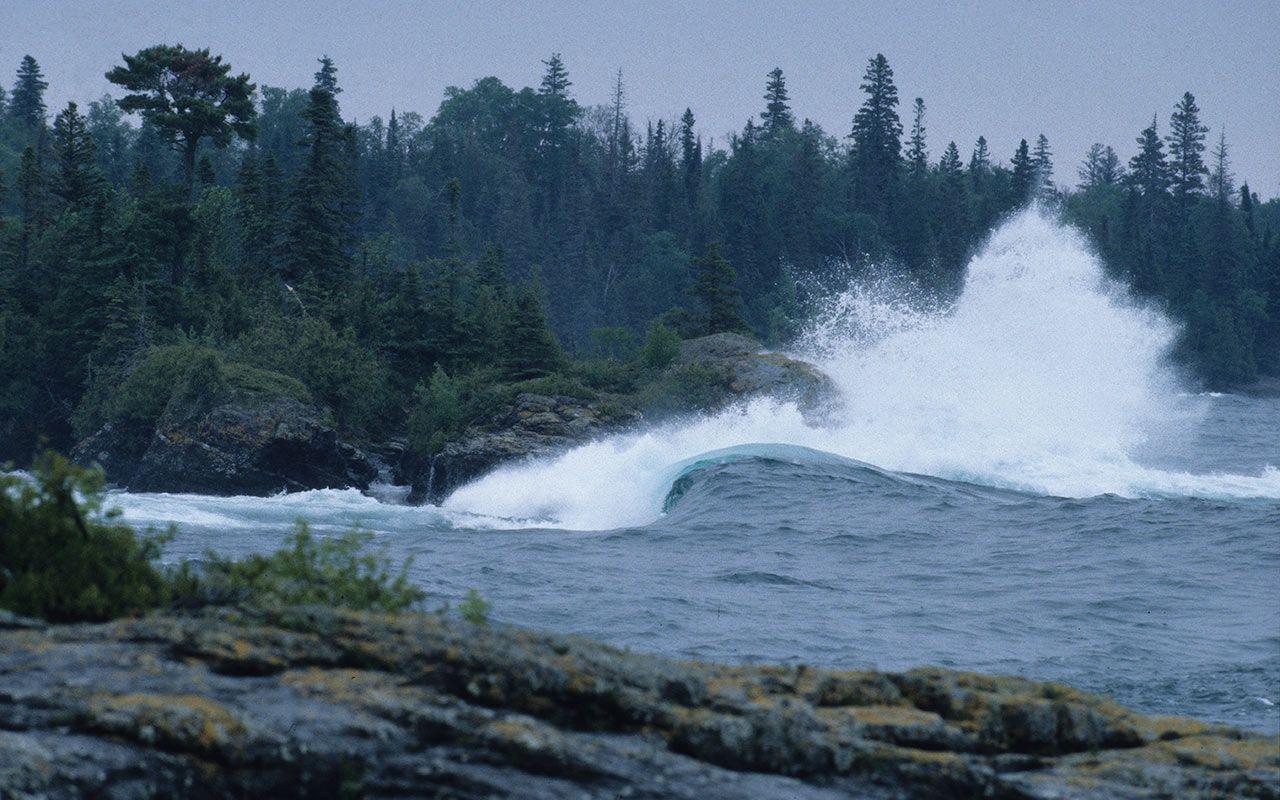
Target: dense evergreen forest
[[396, 269]]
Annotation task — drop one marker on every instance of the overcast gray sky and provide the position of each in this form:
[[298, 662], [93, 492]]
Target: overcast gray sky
[[1078, 71]]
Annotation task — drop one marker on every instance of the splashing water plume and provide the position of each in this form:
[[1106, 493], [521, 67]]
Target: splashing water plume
[[1043, 377]]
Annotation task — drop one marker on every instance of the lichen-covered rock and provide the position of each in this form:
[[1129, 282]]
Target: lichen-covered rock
[[323, 703], [245, 444]]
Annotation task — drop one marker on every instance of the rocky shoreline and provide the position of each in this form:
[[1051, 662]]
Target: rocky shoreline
[[261, 442], [316, 702]]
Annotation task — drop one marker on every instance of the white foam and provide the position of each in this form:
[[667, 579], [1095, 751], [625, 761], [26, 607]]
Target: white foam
[[1042, 377]]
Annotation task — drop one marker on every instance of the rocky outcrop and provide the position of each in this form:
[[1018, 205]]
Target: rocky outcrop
[[732, 367], [322, 703], [534, 425], [708, 374], [244, 444]]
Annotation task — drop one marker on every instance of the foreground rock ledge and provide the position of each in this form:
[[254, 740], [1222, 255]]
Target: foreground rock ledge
[[322, 703]]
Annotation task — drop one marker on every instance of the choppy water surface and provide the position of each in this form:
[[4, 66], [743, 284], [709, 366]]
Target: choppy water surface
[[1016, 484]]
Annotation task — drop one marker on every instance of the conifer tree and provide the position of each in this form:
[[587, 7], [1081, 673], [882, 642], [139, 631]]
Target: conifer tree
[[190, 96], [917, 152], [31, 185], [716, 289], [26, 102], [877, 139], [690, 160], [1221, 179], [1186, 149], [1042, 167], [530, 348], [1148, 170], [1246, 211], [776, 117], [1024, 173], [320, 224], [78, 181], [979, 163]]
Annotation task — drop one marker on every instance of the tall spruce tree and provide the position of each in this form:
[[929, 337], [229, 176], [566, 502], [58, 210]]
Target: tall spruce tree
[[1024, 174], [1042, 167], [26, 102], [917, 152], [979, 164], [776, 118], [320, 223], [77, 180], [690, 160], [1148, 170], [877, 140], [1186, 150], [715, 287]]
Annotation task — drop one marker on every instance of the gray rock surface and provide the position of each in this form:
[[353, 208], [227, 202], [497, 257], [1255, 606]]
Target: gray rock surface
[[321, 703], [534, 425]]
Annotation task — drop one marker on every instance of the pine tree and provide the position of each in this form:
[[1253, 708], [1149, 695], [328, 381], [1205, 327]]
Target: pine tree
[[1246, 211], [979, 164], [30, 183], [559, 111], [690, 160], [78, 181], [877, 139], [776, 117], [26, 102], [1042, 168], [530, 348], [1221, 179], [320, 225], [1148, 170], [917, 153], [1186, 149], [1024, 173], [190, 96], [716, 289]]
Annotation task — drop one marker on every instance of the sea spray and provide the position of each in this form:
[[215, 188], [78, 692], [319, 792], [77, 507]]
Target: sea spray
[[1042, 376]]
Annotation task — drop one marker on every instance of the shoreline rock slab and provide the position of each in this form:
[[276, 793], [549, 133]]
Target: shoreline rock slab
[[319, 703]]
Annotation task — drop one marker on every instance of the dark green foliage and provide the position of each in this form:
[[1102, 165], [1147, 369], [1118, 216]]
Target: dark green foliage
[[716, 291], [358, 259], [438, 414], [26, 101], [530, 348], [189, 96], [310, 570], [64, 559], [661, 346]]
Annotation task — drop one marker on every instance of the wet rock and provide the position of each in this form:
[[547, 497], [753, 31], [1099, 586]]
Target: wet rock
[[315, 702], [246, 444], [534, 425]]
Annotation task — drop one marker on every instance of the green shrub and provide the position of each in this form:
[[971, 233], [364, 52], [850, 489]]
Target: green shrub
[[310, 570], [474, 608], [195, 374], [554, 385], [688, 387], [438, 414], [64, 559], [351, 378], [661, 346]]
